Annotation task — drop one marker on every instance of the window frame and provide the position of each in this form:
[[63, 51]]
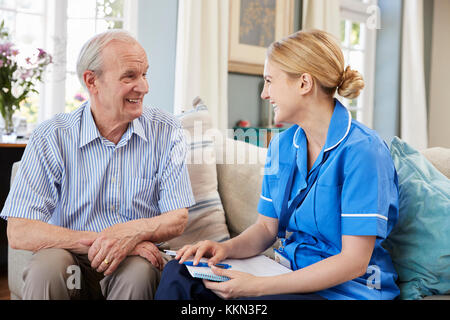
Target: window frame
[[361, 12], [52, 98]]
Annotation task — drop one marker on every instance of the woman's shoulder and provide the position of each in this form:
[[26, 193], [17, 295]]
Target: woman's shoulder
[[366, 143]]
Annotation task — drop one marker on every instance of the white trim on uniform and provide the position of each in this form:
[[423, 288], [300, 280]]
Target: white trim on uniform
[[364, 215], [267, 199], [346, 133]]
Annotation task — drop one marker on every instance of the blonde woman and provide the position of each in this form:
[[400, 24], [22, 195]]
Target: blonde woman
[[330, 182]]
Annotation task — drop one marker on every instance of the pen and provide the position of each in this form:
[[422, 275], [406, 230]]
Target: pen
[[204, 264], [170, 253]]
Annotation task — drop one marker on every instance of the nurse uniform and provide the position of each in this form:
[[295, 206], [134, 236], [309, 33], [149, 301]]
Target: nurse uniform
[[353, 191]]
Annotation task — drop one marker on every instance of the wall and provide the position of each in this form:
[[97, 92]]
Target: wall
[[157, 32], [439, 119], [244, 102]]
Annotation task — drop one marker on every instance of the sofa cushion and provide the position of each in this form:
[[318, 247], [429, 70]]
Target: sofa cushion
[[439, 158], [240, 168], [206, 217], [420, 242]]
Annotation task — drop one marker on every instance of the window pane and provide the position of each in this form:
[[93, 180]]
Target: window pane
[[78, 32], [35, 6], [356, 61], [11, 4], [110, 9], [342, 31], [103, 25], [81, 8], [355, 38], [75, 93], [29, 36], [10, 21]]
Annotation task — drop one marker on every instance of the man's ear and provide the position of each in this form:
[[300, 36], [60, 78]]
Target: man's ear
[[306, 83], [89, 78]]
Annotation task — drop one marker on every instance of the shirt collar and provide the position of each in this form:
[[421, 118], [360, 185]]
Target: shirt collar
[[338, 129], [89, 131], [138, 129]]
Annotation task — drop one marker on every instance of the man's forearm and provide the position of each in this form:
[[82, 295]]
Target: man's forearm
[[163, 227], [34, 235]]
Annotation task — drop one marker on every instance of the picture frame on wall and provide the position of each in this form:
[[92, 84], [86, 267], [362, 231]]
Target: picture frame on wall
[[254, 25]]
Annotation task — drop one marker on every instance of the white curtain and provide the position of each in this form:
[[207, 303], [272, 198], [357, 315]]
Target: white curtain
[[202, 57], [413, 95], [322, 14]]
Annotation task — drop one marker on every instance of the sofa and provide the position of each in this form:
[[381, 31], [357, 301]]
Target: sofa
[[238, 183]]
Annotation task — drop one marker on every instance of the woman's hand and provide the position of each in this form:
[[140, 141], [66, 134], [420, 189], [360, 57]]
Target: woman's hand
[[241, 284], [214, 250]]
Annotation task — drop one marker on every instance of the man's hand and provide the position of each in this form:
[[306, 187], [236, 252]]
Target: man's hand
[[111, 247], [149, 251]]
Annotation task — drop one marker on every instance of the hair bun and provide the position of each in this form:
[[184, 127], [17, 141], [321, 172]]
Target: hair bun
[[351, 85]]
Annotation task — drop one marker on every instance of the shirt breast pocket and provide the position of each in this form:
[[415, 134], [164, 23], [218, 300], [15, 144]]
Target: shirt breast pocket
[[143, 196]]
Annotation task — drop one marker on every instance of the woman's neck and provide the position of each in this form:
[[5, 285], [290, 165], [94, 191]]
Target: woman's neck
[[315, 121]]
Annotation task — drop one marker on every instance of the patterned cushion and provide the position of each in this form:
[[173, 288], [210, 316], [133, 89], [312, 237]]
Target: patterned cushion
[[206, 217]]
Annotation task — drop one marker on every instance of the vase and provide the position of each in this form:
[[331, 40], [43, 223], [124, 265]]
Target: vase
[[8, 134]]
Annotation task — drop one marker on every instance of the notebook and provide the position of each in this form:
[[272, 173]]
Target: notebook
[[260, 266]]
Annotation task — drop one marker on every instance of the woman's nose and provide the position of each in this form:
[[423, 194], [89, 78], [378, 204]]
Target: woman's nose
[[264, 93]]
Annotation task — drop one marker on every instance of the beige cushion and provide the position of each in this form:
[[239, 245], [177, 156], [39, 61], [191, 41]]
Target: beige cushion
[[240, 171], [206, 217], [440, 158]]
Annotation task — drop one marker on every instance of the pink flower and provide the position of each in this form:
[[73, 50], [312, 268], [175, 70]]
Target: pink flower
[[79, 97], [42, 53]]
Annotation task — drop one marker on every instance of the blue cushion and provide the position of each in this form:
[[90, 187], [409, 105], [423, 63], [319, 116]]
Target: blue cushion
[[420, 242]]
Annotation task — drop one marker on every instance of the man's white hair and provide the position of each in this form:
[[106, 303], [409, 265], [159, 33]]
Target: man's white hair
[[90, 57]]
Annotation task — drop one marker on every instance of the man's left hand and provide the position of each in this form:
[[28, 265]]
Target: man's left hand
[[111, 247]]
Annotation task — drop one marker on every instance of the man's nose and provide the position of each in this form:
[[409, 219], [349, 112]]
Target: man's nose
[[142, 86]]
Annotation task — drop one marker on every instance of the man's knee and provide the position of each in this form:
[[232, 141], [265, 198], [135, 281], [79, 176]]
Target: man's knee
[[46, 275], [135, 278]]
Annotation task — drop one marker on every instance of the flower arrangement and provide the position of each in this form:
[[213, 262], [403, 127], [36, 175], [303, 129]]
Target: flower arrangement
[[17, 78]]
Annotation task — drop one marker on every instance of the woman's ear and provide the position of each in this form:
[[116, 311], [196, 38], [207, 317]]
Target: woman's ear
[[90, 78], [306, 83]]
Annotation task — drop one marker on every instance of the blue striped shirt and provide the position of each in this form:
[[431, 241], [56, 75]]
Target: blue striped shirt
[[71, 176]]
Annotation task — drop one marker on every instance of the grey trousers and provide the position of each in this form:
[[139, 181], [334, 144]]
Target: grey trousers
[[57, 274]]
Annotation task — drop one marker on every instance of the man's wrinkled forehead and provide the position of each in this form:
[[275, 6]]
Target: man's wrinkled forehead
[[125, 54]]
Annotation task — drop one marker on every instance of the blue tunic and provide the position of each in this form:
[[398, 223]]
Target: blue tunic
[[356, 193]]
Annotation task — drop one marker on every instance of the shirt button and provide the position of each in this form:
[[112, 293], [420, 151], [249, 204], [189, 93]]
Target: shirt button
[[113, 179], [113, 207]]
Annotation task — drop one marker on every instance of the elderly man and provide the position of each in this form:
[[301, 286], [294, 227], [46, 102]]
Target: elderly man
[[98, 187]]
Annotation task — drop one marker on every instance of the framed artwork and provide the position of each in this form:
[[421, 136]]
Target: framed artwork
[[254, 25]]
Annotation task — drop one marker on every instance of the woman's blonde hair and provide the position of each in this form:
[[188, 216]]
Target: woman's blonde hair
[[317, 53]]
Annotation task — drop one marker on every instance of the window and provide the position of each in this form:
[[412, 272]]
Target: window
[[360, 20], [18, 16], [61, 27]]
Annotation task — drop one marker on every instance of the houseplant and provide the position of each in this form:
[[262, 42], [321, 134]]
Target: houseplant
[[18, 77]]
